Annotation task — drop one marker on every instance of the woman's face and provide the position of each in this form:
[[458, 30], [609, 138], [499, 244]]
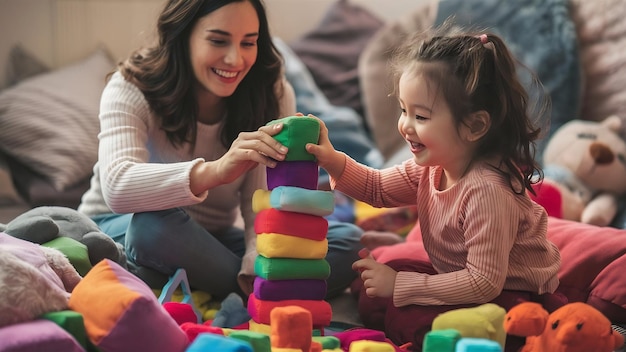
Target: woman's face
[[223, 47]]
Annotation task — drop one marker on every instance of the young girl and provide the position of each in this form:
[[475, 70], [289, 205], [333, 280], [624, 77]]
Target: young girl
[[464, 118], [182, 149]]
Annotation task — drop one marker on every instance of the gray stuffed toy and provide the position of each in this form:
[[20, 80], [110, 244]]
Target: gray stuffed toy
[[44, 224]]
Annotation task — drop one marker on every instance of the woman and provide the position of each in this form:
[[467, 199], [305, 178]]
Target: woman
[[181, 141]]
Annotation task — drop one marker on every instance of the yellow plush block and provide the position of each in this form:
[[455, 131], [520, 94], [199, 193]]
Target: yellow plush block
[[259, 327], [371, 346], [273, 245], [485, 321]]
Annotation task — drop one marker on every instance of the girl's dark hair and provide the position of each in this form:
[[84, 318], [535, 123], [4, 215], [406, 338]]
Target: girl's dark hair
[[478, 72], [164, 74]]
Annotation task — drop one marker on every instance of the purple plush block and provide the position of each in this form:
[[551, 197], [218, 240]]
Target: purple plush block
[[280, 290], [303, 174], [37, 336]]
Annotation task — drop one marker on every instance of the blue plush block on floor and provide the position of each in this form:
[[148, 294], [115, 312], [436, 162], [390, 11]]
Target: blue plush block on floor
[[472, 344], [207, 342]]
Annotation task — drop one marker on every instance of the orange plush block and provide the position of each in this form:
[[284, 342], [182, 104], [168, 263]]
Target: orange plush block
[[274, 245], [292, 327], [260, 310], [308, 226]]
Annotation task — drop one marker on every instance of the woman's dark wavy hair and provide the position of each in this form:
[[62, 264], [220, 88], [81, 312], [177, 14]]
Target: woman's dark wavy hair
[[476, 76], [164, 74]]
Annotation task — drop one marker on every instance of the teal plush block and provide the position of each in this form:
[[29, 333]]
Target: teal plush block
[[441, 340], [213, 342], [259, 342], [295, 199], [473, 344], [296, 133]]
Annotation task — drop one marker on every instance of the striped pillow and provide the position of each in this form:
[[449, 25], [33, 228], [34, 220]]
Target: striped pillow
[[50, 122]]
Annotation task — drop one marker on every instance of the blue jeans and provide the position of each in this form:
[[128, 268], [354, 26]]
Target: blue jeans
[[157, 243]]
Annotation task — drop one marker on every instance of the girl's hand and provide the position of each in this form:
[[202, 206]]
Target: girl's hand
[[378, 279], [327, 157]]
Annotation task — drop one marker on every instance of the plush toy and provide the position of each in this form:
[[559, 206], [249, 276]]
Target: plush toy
[[43, 224], [575, 327], [484, 321], [33, 280], [586, 162]]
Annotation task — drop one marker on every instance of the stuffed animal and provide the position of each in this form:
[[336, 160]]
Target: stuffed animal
[[586, 162], [43, 224], [33, 280], [575, 327]]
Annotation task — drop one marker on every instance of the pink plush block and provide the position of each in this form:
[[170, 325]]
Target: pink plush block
[[260, 310], [290, 223], [279, 290], [303, 174], [37, 336]]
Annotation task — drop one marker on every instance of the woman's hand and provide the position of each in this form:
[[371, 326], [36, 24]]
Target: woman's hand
[[246, 152], [327, 157], [378, 279]]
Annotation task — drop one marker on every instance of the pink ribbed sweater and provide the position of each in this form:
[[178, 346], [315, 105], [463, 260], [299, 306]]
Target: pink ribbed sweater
[[480, 236]]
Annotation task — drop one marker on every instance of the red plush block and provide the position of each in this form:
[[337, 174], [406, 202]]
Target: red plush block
[[192, 330], [290, 223], [303, 174], [260, 310]]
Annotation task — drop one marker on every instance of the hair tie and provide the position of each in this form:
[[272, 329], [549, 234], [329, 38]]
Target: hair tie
[[483, 38]]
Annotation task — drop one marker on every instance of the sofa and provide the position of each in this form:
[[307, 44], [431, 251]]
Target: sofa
[[336, 53]]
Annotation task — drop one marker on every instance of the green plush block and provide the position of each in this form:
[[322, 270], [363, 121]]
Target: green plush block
[[75, 251], [328, 342], [441, 340], [73, 323], [291, 268], [296, 133], [259, 342]]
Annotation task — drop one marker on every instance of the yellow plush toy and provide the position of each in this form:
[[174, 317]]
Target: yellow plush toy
[[485, 321], [586, 161], [575, 327]]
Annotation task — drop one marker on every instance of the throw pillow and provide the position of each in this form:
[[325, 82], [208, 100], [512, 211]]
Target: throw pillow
[[381, 109], [121, 312], [331, 51], [602, 39], [50, 122], [23, 64]]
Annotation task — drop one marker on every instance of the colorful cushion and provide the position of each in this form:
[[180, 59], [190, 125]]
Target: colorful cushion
[[290, 223], [278, 290], [297, 131], [73, 323], [299, 200], [291, 268], [36, 336], [75, 251], [296, 173], [122, 313]]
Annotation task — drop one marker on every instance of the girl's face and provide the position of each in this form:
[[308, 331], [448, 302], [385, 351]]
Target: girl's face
[[223, 47], [427, 124]]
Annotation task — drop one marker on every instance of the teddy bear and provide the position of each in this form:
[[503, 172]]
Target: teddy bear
[[574, 327], [584, 165], [33, 280], [46, 223]]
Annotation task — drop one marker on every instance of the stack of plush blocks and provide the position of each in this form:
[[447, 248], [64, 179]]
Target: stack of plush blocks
[[291, 232]]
